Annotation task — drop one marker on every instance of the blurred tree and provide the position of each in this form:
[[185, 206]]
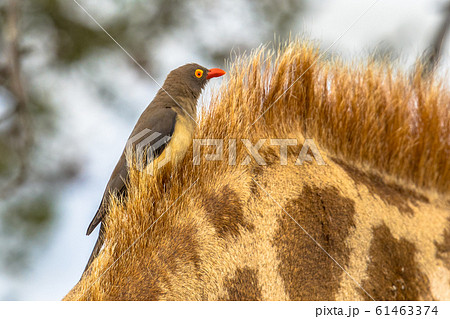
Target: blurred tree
[[22, 219]]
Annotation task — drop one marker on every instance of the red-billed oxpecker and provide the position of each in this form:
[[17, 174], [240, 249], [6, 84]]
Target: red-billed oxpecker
[[167, 123]]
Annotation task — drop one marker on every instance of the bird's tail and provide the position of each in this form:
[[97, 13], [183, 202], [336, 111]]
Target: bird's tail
[[96, 250]]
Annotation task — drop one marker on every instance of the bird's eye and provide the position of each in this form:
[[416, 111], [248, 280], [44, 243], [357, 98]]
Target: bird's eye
[[198, 73]]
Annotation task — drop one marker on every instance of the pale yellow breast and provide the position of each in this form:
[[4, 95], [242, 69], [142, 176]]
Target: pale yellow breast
[[179, 143], [181, 138]]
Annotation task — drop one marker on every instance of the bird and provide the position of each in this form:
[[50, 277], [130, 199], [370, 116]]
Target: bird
[[168, 122]]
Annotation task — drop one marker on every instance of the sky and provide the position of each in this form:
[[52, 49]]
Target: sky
[[98, 137]]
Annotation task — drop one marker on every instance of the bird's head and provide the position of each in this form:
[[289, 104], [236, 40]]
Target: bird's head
[[193, 76]]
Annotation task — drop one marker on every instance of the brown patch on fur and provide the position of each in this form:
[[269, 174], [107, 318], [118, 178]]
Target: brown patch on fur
[[143, 287], [443, 249], [243, 286], [150, 276], [255, 171], [254, 189], [183, 248], [393, 273], [390, 193], [308, 273], [224, 210]]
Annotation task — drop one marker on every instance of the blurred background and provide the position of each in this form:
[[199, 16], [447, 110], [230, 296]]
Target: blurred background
[[69, 97]]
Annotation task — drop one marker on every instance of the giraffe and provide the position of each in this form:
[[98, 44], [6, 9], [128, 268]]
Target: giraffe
[[373, 223]]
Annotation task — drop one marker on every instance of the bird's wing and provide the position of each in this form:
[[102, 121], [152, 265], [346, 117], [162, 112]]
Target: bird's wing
[[153, 129]]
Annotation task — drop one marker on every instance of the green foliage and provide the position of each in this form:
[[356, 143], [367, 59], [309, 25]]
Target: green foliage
[[24, 226], [5, 158], [28, 217], [73, 39], [282, 15]]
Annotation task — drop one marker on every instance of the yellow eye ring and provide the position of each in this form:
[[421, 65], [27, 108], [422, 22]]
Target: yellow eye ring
[[199, 73]]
